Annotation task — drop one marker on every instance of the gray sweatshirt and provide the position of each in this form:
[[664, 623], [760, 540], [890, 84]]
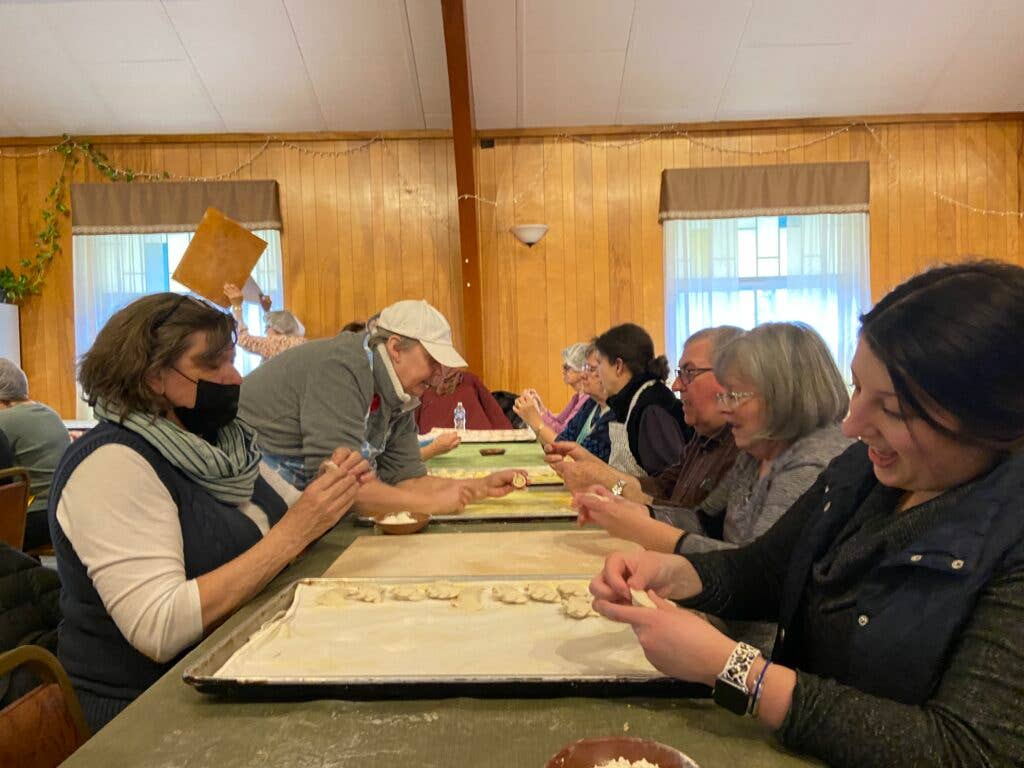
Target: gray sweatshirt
[[314, 398]]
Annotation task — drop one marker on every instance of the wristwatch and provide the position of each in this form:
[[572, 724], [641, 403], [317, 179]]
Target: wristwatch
[[618, 487], [731, 686]]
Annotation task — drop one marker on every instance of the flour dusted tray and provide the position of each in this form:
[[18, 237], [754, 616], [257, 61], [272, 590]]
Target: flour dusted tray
[[312, 639], [519, 506]]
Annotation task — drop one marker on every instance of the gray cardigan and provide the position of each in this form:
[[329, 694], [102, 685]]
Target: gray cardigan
[[751, 505], [313, 398]]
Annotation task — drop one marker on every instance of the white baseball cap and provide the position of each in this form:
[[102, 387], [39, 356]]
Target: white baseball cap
[[418, 320]]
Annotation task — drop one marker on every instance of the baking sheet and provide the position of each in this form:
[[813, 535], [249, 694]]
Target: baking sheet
[[547, 503], [311, 635]]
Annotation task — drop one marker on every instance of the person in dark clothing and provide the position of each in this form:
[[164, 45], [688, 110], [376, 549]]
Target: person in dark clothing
[[897, 579], [6, 454], [29, 614], [649, 432]]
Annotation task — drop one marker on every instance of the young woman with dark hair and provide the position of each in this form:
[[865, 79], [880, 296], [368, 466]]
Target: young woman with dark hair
[[897, 579], [648, 433]]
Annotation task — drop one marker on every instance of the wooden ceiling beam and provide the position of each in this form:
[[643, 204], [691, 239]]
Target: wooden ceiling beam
[[460, 90]]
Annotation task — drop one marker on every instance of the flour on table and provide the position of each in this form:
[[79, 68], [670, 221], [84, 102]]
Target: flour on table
[[469, 599], [641, 598]]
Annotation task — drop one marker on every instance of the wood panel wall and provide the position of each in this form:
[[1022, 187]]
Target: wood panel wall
[[601, 261], [375, 226], [360, 230]]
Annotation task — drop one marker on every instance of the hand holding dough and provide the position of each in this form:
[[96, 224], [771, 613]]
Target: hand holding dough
[[641, 598]]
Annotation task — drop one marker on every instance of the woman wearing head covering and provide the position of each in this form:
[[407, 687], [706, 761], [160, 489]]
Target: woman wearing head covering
[[164, 520], [284, 331], [897, 579], [37, 439]]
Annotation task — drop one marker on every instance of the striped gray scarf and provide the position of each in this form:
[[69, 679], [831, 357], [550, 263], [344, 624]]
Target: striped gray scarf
[[228, 470]]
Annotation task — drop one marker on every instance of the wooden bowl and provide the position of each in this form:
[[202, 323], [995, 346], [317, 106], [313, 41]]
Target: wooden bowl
[[400, 529], [588, 753]]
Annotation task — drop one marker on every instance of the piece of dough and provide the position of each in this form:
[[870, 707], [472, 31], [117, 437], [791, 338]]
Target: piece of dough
[[641, 598], [411, 593], [574, 589], [519, 480], [333, 598], [470, 599], [579, 608], [509, 595], [364, 593], [442, 590], [542, 593]]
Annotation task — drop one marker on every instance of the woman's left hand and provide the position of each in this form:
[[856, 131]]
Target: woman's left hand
[[676, 641], [526, 408], [599, 506]]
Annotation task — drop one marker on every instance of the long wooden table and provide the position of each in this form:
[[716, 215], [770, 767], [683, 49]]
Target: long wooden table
[[172, 725]]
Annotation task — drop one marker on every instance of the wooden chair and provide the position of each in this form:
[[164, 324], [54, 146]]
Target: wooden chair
[[14, 499], [45, 726]]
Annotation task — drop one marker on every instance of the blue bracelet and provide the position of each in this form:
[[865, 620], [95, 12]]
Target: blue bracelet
[[756, 698]]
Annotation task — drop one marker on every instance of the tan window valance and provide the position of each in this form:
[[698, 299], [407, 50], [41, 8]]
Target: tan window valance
[[170, 206], [763, 190]]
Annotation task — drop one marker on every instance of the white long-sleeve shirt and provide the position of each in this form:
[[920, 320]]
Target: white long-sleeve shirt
[[124, 527]]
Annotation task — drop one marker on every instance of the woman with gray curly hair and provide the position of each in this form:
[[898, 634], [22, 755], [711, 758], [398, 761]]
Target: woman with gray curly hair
[[284, 330]]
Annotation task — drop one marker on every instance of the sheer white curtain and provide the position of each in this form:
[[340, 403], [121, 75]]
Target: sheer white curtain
[[111, 271], [744, 272]]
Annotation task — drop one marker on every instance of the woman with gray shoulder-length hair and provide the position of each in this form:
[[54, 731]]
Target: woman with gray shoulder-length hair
[[783, 399], [284, 330]]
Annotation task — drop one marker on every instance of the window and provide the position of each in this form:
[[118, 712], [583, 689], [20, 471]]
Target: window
[[749, 271], [114, 270]]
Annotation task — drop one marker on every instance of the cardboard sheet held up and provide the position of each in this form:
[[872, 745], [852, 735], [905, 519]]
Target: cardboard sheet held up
[[221, 251]]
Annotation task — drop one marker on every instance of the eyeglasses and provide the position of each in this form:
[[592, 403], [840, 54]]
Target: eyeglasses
[[733, 400], [587, 369], [164, 316], [688, 373]]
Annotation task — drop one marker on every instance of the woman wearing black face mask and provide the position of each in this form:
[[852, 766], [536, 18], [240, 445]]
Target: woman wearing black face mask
[[163, 519]]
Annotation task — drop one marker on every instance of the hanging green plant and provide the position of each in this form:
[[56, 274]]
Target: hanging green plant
[[15, 287]]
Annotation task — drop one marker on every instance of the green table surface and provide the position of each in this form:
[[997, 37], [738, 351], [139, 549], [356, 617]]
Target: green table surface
[[467, 456], [172, 725]]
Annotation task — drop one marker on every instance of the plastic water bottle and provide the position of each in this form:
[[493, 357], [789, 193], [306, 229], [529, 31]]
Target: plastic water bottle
[[460, 417]]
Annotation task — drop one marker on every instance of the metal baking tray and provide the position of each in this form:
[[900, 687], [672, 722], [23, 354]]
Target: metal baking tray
[[202, 673]]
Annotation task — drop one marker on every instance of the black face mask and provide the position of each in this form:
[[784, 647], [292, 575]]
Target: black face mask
[[216, 406]]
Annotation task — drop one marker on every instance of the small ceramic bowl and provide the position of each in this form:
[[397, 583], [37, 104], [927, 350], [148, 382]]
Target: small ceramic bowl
[[399, 529], [592, 752]]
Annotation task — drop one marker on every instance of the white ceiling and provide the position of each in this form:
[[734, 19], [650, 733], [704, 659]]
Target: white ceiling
[[196, 66]]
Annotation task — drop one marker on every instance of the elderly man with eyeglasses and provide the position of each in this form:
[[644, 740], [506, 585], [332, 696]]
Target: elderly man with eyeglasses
[[704, 459]]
